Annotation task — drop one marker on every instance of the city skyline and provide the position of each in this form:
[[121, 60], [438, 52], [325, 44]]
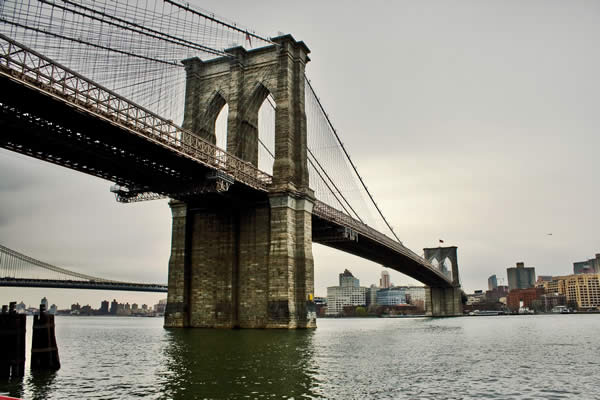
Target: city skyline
[[484, 100]]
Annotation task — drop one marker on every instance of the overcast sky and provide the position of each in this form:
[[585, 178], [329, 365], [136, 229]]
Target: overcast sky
[[471, 121]]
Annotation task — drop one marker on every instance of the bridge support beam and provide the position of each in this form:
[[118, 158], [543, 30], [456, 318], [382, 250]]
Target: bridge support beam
[[241, 265], [443, 302]]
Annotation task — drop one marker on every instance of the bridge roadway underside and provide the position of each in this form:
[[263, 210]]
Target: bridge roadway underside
[[328, 234], [45, 127]]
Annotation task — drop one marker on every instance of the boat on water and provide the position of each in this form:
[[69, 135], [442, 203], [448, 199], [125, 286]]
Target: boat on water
[[561, 310], [399, 316], [486, 312], [525, 311]]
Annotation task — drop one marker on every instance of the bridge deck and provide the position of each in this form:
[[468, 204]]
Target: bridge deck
[[73, 284], [54, 114]]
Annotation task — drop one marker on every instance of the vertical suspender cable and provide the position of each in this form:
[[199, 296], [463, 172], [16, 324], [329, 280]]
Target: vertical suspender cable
[[350, 160]]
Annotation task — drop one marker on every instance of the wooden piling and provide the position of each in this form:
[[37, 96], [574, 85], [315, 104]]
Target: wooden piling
[[12, 342], [44, 352]]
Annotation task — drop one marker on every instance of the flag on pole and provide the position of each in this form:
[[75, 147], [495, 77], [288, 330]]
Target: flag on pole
[[248, 38], [441, 241]]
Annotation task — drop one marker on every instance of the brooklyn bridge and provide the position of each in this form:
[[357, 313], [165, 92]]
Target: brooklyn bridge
[[100, 87]]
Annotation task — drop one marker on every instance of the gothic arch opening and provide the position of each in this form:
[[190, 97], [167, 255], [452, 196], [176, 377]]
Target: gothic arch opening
[[447, 267], [261, 111], [221, 127], [215, 121], [266, 135], [435, 263]]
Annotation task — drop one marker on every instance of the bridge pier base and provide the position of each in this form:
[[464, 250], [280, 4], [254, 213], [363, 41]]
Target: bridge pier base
[[443, 302], [241, 265]]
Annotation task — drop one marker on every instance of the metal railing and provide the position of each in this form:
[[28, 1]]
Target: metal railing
[[21, 63], [33, 69]]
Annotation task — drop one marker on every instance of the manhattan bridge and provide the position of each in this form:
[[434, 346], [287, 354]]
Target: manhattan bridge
[[165, 100]]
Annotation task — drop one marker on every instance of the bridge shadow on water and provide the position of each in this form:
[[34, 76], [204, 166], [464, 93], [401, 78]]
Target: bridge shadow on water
[[206, 363]]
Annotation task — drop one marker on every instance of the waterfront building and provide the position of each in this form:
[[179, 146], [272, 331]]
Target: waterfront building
[[551, 300], [104, 307], [348, 294], [53, 309], [520, 277], [492, 282], [520, 298], [581, 290], [392, 296], [44, 302], [415, 295], [384, 281], [320, 306], [494, 295], [476, 297]]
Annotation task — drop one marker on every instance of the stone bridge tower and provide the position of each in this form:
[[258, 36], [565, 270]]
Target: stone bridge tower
[[245, 260], [444, 301]]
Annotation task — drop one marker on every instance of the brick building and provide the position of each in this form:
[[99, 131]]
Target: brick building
[[523, 298]]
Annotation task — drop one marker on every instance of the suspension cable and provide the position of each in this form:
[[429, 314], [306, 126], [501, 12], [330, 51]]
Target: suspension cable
[[350, 160]]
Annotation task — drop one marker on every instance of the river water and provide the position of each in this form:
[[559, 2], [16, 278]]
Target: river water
[[505, 357]]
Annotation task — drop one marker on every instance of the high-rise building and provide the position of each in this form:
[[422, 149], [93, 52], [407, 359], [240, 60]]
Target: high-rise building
[[114, 307], [44, 302], [591, 266], [384, 281], [372, 295], [348, 280], [21, 307], [104, 307], [492, 282], [161, 306], [347, 294], [520, 277]]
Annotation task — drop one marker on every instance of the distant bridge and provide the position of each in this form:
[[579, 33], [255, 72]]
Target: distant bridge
[[17, 269]]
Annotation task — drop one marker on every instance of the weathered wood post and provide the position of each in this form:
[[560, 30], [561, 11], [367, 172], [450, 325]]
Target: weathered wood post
[[12, 342], [44, 352]]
